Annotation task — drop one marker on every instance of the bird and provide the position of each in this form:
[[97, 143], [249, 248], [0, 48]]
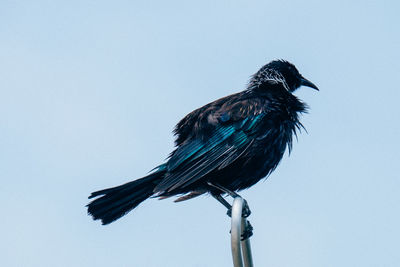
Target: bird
[[221, 148]]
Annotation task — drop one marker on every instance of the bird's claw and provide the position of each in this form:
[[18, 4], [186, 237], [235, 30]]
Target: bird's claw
[[229, 212], [246, 210], [247, 231]]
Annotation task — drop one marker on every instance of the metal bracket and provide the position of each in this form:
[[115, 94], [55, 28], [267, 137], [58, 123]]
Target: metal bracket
[[241, 249]]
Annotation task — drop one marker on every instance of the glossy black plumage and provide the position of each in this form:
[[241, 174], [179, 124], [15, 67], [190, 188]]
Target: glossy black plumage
[[233, 142]]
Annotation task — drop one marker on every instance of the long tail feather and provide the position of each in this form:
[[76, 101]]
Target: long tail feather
[[115, 202]]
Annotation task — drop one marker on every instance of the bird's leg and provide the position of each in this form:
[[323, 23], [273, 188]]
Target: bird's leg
[[246, 210], [223, 189], [223, 202], [248, 229]]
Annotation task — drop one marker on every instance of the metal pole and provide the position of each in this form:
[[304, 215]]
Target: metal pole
[[246, 248], [236, 231], [239, 247]]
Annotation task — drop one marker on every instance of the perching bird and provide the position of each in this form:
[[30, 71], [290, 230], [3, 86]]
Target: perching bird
[[225, 146]]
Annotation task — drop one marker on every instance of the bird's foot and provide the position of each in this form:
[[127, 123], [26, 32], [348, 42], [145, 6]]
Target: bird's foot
[[229, 212], [246, 212], [246, 209], [247, 231]]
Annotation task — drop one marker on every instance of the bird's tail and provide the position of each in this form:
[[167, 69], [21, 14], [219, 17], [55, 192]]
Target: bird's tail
[[117, 201]]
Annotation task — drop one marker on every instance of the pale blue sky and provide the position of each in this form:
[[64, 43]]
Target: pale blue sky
[[91, 90]]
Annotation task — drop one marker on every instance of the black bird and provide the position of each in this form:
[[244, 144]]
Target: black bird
[[225, 146]]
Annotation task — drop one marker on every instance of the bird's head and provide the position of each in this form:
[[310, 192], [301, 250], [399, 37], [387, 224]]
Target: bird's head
[[280, 71]]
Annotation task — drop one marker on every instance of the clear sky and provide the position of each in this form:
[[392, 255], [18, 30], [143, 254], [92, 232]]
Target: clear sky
[[91, 90]]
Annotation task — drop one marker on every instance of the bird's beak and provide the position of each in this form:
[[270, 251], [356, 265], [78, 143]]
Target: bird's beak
[[306, 82]]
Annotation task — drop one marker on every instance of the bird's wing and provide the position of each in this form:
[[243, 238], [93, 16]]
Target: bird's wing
[[185, 127], [231, 137]]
